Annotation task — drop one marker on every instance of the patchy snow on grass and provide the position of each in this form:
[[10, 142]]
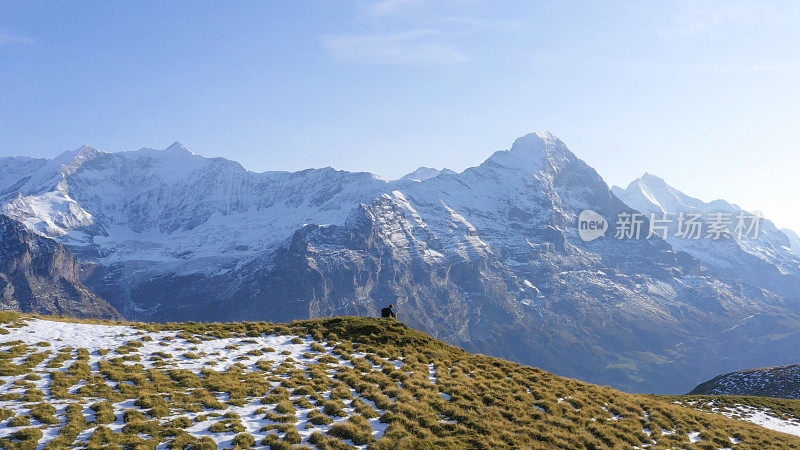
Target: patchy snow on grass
[[694, 436], [763, 418], [166, 351]]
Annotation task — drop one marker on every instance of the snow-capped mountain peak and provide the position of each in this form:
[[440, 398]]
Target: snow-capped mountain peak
[[423, 173], [534, 153], [177, 146], [81, 153], [755, 259], [650, 193]]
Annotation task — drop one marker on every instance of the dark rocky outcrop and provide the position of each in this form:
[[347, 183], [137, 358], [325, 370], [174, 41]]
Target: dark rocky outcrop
[[39, 275]]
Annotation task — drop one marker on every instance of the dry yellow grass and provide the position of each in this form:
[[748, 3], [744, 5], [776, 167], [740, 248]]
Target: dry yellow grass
[[362, 372]]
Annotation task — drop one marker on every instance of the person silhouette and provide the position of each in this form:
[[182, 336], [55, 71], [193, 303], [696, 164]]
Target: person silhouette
[[388, 312]]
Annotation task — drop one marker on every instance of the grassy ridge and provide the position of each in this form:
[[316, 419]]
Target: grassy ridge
[[465, 401]]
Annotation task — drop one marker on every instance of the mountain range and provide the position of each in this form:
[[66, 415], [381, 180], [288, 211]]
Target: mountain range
[[489, 259]]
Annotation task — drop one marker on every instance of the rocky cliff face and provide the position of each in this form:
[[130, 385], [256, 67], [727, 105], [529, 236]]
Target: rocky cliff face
[[41, 276], [489, 259]]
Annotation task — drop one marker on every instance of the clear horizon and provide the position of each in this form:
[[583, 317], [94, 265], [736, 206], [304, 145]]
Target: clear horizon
[[703, 95]]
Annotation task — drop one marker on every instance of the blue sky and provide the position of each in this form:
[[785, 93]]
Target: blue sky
[[705, 94]]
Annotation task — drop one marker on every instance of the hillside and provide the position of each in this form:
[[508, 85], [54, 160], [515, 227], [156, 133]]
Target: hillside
[[781, 382], [330, 383]]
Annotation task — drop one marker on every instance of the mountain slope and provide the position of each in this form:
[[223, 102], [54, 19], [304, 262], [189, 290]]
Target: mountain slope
[[40, 275], [794, 240], [782, 382], [488, 259], [333, 383], [768, 261]]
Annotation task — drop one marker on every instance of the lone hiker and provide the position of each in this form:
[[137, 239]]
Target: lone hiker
[[388, 312]]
